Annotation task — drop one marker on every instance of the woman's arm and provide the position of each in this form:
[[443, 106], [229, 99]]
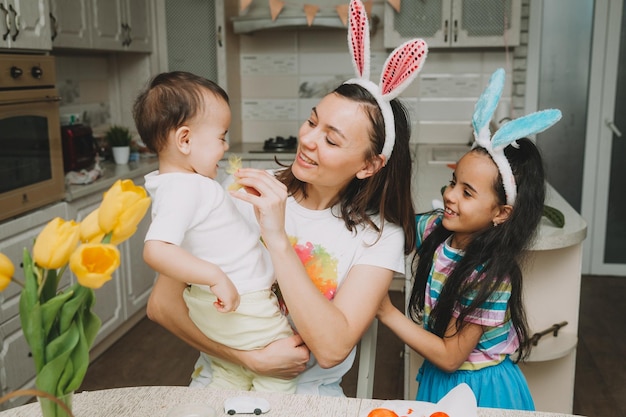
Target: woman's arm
[[447, 353], [286, 358], [335, 327], [175, 262]]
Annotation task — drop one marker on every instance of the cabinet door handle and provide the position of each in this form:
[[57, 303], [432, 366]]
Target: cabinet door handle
[[219, 36], [456, 31], [445, 31], [124, 34], [5, 35], [613, 128], [54, 26], [16, 20]]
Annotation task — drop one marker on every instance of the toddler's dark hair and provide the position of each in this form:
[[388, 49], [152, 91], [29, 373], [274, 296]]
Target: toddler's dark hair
[[170, 100]]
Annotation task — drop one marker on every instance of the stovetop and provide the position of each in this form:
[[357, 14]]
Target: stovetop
[[279, 144]]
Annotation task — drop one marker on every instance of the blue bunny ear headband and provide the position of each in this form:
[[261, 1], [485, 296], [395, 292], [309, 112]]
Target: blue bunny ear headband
[[507, 134]]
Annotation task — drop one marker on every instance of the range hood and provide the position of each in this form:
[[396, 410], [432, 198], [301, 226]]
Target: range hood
[[259, 17]]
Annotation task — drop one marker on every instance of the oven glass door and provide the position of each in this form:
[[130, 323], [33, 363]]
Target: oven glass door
[[31, 161], [24, 152]]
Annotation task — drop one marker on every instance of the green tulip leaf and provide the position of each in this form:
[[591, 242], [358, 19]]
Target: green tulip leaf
[[80, 359], [554, 215], [32, 326], [90, 321], [57, 352], [72, 306], [66, 377], [49, 288], [29, 293], [50, 309], [64, 343]]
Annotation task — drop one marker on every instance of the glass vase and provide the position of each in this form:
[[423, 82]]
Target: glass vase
[[54, 406]]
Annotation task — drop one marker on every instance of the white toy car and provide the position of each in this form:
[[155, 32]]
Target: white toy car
[[246, 405]]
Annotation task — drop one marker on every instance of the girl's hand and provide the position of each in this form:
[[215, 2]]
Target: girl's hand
[[285, 358], [268, 196], [227, 296], [385, 308]]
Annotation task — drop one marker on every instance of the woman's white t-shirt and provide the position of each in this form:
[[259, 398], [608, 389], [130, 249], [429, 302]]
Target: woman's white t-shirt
[[328, 250]]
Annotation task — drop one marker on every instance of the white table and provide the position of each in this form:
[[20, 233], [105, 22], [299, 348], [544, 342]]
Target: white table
[[156, 401]]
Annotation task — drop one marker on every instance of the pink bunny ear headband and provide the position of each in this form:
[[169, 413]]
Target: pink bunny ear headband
[[507, 134], [400, 69]]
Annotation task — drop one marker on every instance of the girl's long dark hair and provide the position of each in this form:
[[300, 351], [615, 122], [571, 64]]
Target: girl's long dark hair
[[497, 250], [388, 192]]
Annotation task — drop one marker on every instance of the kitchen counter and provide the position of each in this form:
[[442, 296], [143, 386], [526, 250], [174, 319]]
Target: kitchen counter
[[158, 401], [111, 173], [247, 151]]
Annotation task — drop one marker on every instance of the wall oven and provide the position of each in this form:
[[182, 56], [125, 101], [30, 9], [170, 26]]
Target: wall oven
[[31, 160]]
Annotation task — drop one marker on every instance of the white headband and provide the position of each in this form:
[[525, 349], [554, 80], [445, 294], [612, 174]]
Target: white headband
[[399, 70], [507, 134]]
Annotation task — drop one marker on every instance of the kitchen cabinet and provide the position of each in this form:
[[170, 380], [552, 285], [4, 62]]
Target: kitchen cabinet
[[121, 25], [69, 24], [24, 24], [454, 23], [118, 25]]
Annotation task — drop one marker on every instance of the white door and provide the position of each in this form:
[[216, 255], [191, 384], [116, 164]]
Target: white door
[[604, 183]]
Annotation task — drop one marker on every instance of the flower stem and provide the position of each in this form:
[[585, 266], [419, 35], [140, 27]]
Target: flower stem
[[17, 281]]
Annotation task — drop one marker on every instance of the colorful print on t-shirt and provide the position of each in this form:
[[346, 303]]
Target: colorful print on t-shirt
[[320, 266]]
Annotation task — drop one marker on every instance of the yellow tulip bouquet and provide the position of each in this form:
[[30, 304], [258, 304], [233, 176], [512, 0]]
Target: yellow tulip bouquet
[[60, 326]]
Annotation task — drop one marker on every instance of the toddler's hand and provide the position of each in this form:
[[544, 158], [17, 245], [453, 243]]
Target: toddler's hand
[[227, 296]]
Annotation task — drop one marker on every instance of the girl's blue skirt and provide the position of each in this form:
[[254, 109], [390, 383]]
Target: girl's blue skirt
[[498, 386]]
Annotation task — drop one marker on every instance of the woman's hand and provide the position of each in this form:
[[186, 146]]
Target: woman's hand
[[268, 196], [285, 358]]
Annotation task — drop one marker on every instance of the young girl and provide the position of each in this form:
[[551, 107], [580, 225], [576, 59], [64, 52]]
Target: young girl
[[467, 293]]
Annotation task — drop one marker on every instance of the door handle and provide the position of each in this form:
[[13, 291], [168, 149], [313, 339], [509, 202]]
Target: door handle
[[613, 128]]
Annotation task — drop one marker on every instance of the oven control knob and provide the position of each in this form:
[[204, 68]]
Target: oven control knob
[[16, 72], [36, 72]]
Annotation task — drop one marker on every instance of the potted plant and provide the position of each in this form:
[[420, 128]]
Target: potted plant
[[119, 138]]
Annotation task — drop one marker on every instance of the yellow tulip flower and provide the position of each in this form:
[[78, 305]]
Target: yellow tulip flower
[[122, 208], [90, 231], [55, 243], [6, 271], [94, 263]]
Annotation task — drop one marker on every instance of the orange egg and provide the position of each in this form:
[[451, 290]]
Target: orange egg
[[381, 412], [439, 414]]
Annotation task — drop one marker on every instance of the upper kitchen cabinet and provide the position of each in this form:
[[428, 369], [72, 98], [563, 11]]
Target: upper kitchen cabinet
[[112, 25], [69, 24], [24, 24], [454, 23], [121, 25]]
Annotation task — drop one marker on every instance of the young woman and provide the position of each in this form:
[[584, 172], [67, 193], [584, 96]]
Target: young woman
[[337, 224], [466, 301]]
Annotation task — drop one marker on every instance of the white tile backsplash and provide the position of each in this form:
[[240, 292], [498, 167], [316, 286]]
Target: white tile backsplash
[[441, 100], [269, 64]]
